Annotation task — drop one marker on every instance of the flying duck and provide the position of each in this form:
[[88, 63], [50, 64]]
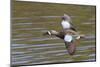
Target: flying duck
[[68, 38], [66, 23], [67, 34]]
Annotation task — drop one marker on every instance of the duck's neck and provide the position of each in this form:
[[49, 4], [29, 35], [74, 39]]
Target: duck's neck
[[53, 32]]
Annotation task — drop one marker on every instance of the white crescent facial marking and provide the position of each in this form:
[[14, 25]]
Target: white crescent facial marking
[[68, 38], [65, 24], [49, 32]]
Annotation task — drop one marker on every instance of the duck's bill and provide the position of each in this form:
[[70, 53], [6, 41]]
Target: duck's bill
[[46, 33]]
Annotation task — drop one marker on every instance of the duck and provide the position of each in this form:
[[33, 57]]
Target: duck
[[66, 23], [68, 34], [68, 38]]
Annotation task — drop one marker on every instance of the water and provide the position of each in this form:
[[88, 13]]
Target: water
[[29, 46]]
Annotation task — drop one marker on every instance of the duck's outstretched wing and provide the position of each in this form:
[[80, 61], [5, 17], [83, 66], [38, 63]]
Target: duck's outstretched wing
[[73, 28], [70, 45], [70, 22]]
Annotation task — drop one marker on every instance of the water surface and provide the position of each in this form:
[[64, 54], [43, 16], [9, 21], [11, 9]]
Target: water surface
[[31, 20]]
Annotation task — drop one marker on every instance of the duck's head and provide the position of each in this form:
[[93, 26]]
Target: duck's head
[[51, 32], [47, 33]]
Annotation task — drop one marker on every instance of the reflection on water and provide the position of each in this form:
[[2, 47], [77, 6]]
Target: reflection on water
[[29, 46]]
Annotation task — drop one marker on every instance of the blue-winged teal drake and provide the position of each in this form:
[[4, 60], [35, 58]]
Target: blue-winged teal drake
[[67, 34]]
